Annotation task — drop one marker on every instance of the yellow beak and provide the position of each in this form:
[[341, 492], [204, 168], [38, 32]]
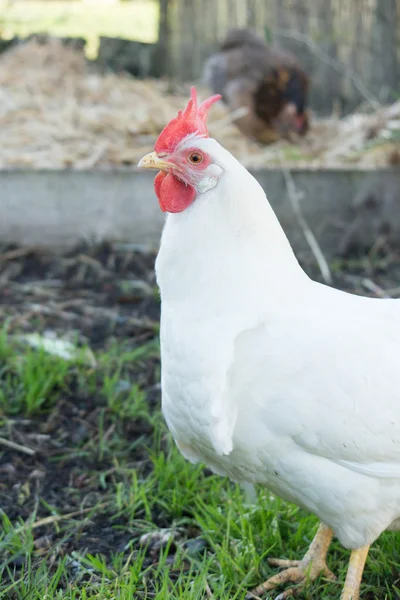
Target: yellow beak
[[152, 161]]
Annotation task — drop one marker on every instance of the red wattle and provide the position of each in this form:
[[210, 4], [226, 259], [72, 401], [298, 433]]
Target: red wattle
[[173, 195]]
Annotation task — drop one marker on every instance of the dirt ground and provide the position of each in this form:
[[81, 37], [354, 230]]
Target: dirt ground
[[98, 296], [95, 296], [97, 292]]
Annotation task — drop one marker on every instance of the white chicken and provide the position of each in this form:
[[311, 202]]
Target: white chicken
[[268, 376]]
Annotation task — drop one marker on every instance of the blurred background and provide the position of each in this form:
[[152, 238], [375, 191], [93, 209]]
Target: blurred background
[[310, 103], [310, 87], [180, 35], [349, 51]]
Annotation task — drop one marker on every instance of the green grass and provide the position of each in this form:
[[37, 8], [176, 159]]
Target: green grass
[[137, 20], [138, 483], [29, 381]]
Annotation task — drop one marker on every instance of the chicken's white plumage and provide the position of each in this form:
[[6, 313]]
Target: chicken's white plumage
[[270, 377]]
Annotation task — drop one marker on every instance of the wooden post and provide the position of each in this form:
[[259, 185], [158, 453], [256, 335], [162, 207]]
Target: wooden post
[[161, 57], [384, 64]]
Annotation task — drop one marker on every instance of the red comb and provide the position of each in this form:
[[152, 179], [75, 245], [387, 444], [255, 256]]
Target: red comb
[[191, 120]]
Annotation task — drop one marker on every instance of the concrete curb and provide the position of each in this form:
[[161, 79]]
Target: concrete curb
[[59, 208]]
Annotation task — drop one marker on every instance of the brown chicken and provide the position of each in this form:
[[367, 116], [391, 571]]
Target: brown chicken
[[269, 83]]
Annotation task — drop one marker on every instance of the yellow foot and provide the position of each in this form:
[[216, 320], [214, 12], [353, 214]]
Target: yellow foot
[[351, 590], [299, 571]]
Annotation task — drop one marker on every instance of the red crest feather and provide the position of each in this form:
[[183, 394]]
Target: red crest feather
[[191, 120]]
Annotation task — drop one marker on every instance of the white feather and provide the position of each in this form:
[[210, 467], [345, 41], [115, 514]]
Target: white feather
[[270, 377]]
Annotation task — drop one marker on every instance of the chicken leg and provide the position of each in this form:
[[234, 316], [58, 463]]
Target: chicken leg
[[300, 571], [351, 589]]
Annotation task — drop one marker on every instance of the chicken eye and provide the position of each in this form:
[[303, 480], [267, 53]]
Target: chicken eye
[[195, 158]]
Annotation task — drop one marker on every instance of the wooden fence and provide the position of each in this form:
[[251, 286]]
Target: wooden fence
[[350, 47]]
